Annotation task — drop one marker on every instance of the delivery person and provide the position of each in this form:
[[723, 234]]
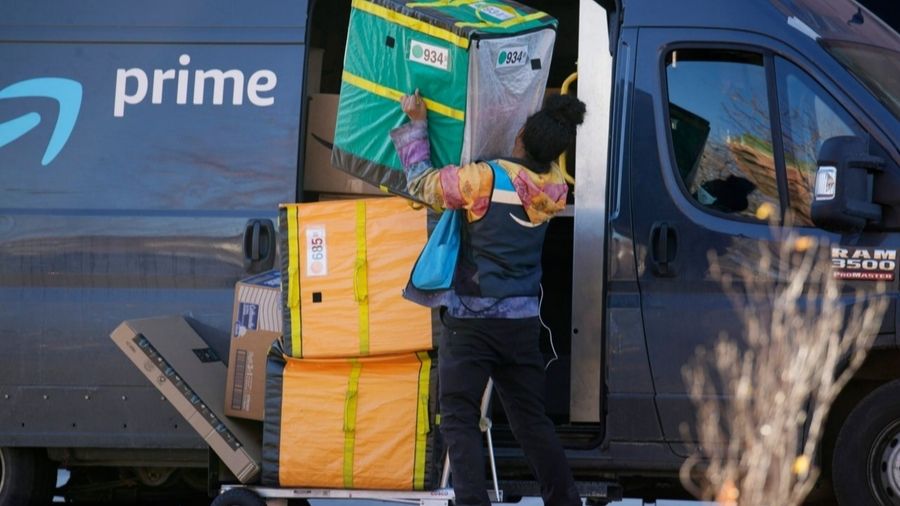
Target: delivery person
[[491, 314]]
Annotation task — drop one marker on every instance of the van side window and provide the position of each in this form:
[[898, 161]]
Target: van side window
[[721, 130], [809, 116]]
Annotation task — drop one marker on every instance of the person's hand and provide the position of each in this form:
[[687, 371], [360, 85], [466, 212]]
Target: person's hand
[[414, 106]]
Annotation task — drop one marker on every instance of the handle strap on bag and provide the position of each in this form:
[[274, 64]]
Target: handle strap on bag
[[423, 426], [361, 278], [351, 400], [293, 280]]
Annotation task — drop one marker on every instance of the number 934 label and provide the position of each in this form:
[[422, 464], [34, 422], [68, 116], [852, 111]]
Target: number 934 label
[[428, 54], [316, 252], [512, 56]]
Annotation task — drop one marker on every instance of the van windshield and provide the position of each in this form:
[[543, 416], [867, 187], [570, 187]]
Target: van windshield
[[861, 41], [878, 69]]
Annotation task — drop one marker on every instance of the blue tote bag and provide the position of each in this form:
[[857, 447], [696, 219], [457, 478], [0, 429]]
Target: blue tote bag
[[436, 264]]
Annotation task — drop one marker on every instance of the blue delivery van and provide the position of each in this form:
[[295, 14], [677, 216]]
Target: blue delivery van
[[144, 150]]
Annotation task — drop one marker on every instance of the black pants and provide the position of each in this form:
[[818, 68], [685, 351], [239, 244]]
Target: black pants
[[508, 350]]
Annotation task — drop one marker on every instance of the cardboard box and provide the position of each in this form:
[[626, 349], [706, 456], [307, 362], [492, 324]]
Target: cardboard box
[[345, 265], [182, 366], [319, 175], [256, 323], [314, 58], [367, 423]]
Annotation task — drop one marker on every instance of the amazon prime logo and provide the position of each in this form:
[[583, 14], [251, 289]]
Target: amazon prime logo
[[133, 85], [66, 92]]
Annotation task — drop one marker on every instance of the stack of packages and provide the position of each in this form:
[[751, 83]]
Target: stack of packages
[[351, 390]]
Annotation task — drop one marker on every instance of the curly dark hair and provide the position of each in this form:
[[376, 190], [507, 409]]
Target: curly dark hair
[[548, 132]]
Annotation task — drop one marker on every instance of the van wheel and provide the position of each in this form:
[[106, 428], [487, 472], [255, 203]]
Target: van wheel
[[866, 462], [239, 497], [26, 477]]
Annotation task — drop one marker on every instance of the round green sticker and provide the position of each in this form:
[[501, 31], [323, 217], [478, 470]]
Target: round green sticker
[[417, 51], [502, 59]]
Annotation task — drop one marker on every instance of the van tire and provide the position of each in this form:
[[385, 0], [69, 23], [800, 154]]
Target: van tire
[[867, 448], [239, 497], [26, 477]]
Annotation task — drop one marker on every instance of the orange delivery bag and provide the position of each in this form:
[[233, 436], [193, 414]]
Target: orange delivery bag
[[345, 264], [362, 423]]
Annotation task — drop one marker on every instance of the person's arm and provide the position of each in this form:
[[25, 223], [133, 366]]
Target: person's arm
[[451, 187]]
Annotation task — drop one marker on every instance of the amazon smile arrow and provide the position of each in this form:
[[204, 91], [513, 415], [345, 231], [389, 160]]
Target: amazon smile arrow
[[65, 91]]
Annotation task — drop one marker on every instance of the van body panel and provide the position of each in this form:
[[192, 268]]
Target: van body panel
[[630, 410], [165, 21], [143, 209]]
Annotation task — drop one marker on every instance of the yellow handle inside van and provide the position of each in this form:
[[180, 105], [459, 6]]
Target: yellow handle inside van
[[564, 90]]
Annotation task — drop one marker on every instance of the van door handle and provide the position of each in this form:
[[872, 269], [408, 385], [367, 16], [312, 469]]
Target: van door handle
[[259, 245], [663, 246]]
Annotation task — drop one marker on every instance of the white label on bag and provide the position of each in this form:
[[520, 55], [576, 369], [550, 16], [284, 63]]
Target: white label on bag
[[428, 54], [492, 11], [316, 252], [512, 56]]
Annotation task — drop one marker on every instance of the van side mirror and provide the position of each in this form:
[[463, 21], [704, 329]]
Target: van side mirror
[[844, 187]]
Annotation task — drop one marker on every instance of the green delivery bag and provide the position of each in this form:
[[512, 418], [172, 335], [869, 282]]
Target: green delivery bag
[[481, 66]]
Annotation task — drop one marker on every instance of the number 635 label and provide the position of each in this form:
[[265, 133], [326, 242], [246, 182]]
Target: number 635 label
[[428, 54], [316, 252]]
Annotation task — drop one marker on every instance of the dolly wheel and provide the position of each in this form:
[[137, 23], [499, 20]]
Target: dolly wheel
[[239, 497]]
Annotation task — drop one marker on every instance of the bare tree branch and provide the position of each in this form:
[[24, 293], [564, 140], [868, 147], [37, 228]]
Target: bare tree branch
[[762, 398]]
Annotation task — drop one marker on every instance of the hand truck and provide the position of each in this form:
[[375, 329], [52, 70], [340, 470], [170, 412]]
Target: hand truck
[[244, 495]]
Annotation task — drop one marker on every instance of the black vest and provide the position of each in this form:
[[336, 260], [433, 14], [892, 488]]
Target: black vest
[[501, 252]]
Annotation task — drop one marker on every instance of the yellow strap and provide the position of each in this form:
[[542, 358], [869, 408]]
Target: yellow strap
[[422, 425], [392, 94], [505, 24], [410, 22], [294, 279], [437, 4], [361, 278], [351, 402]]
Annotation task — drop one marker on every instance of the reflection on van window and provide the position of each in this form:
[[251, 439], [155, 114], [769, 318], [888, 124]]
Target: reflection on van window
[[720, 127], [809, 116]]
